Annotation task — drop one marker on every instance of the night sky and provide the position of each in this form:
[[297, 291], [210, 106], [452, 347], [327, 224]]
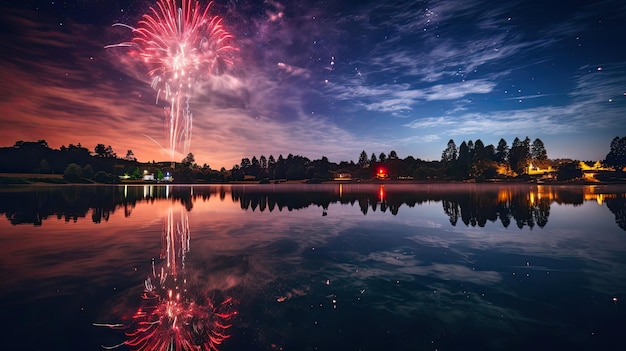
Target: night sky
[[327, 78]]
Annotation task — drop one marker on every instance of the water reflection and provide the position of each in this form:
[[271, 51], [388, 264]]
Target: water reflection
[[176, 313], [383, 263], [473, 205]]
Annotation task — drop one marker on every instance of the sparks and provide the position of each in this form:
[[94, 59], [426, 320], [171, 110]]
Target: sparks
[[180, 47]]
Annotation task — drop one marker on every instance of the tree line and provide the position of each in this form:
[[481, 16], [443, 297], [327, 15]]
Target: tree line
[[474, 160], [469, 160]]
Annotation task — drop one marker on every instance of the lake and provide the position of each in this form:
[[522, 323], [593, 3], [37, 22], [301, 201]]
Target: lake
[[313, 267]]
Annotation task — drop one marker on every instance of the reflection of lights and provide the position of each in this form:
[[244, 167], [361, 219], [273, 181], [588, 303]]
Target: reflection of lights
[[175, 241], [148, 191], [340, 190], [169, 322], [381, 193], [590, 195], [504, 196], [168, 319]]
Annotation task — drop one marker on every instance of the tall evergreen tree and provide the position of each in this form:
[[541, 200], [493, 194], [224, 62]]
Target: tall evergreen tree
[[538, 153], [363, 161], [245, 163], [450, 152], [373, 159], [502, 151], [479, 151], [464, 153], [519, 155]]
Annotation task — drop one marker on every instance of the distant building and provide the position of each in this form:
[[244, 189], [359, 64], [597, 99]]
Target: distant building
[[597, 166], [590, 171], [343, 176], [167, 178], [148, 177], [536, 170]]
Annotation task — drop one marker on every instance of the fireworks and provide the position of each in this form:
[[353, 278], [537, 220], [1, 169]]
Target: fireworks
[[170, 317], [180, 46]]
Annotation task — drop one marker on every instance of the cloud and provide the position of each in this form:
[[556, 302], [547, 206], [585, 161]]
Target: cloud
[[429, 122], [419, 139], [90, 95], [295, 71]]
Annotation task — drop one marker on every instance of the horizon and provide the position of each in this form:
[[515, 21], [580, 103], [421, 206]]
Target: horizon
[[330, 80], [283, 154]]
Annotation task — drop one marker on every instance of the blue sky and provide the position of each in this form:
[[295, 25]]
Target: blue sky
[[330, 78]]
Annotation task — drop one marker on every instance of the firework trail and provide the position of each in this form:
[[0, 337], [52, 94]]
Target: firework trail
[[180, 45]]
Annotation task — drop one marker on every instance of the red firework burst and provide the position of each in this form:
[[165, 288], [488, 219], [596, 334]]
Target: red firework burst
[[178, 42], [180, 46]]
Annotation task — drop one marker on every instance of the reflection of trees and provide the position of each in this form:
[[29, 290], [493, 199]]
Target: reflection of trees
[[33, 205], [523, 205], [617, 205], [474, 205]]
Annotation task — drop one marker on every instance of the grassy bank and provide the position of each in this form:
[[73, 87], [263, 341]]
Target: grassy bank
[[31, 178]]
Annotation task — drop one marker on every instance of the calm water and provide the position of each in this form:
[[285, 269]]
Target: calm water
[[323, 267]]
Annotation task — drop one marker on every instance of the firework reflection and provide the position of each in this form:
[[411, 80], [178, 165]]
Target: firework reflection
[[171, 316]]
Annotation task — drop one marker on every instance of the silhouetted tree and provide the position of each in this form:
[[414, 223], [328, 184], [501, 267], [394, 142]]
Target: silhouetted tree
[[189, 160], [502, 151], [87, 172], [73, 173], [130, 156], [519, 155], [382, 157], [363, 161], [462, 164], [617, 154], [245, 163], [450, 152], [538, 153], [102, 151], [569, 171]]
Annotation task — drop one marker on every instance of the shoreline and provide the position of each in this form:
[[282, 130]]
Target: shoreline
[[22, 179]]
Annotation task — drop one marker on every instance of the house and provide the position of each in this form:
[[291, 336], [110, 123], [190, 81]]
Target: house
[[536, 170], [343, 176]]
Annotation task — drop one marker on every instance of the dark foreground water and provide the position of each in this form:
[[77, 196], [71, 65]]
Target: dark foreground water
[[320, 267]]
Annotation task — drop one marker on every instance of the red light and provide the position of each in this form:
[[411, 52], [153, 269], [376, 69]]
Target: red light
[[380, 171]]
